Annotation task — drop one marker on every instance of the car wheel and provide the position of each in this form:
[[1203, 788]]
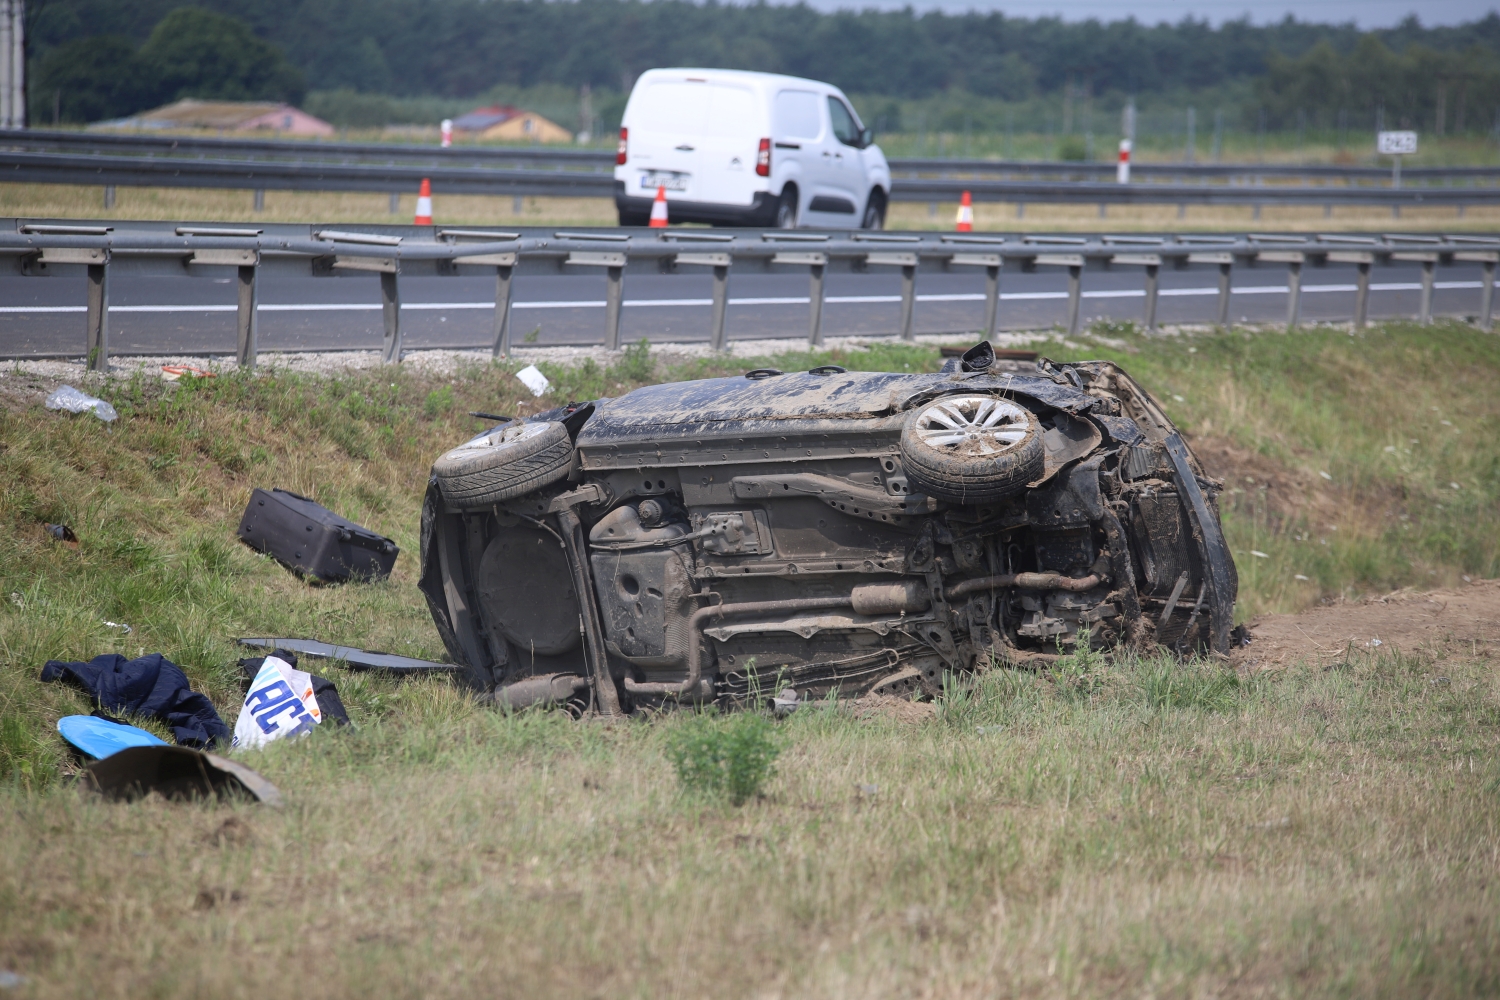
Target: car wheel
[[507, 462], [628, 218], [786, 209], [874, 217], [971, 448]]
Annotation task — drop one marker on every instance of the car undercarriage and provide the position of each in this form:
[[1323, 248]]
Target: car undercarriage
[[829, 531]]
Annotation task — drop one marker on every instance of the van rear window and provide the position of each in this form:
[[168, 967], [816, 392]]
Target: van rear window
[[693, 108], [670, 106]]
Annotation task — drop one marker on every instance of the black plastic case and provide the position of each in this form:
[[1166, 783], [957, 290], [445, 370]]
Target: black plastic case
[[307, 537]]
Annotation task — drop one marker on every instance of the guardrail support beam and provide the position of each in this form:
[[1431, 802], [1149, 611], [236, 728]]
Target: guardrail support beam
[[908, 300], [815, 305], [614, 294], [390, 309], [501, 348], [991, 301], [1487, 297], [1294, 294], [260, 199], [721, 306], [1224, 274], [246, 320], [109, 197], [96, 332], [1424, 314], [1153, 285], [395, 203], [1362, 295], [1075, 296]]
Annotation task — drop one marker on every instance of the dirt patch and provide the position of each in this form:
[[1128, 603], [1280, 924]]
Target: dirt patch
[[1466, 620], [1253, 482], [884, 706]]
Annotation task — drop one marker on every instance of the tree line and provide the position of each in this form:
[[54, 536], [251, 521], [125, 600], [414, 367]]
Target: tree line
[[462, 48]]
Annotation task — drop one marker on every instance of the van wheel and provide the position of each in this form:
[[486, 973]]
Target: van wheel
[[628, 218], [874, 217], [507, 462], [971, 448], [786, 209]]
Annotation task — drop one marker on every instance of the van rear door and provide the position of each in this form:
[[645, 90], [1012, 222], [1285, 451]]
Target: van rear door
[[727, 145], [666, 118]]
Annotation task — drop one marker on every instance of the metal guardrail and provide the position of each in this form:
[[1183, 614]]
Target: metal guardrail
[[37, 248], [260, 165], [602, 160]]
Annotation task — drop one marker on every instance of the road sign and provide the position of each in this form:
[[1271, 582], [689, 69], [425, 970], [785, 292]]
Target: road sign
[[1396, 143]]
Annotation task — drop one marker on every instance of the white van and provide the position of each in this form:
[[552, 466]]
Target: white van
[[747, 149]]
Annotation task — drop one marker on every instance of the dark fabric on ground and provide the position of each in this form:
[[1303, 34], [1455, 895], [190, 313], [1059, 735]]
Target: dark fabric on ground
[[324, 689], [150, 685]]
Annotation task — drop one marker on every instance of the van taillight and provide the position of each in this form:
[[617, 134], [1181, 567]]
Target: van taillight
[[620, 150], [762, 157]]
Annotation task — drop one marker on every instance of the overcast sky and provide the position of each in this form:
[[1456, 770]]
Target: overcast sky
[[1366, 13]]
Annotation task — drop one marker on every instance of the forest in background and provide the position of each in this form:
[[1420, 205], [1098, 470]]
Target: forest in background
[[366, 63]]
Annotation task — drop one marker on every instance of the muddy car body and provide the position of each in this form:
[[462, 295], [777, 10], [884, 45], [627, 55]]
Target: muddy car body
[[822, 531]]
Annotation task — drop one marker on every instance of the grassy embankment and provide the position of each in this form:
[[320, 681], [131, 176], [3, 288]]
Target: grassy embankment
[[1314, 832]]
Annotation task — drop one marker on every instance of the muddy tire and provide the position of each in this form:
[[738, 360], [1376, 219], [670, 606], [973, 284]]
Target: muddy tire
[[971, 448], [507, 462]]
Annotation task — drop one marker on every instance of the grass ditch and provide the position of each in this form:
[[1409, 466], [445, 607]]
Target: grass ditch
[[1135, 822]]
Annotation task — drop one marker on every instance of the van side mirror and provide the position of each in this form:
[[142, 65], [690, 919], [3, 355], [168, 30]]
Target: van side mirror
[[866, 137]]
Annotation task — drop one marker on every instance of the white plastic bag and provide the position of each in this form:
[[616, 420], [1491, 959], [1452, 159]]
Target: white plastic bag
[[280, 703], [68, 398], [532, 377]]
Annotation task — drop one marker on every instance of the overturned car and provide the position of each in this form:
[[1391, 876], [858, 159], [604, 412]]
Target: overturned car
[[823, 531]]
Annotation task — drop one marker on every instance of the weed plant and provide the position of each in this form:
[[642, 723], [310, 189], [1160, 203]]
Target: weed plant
[[732, 757]]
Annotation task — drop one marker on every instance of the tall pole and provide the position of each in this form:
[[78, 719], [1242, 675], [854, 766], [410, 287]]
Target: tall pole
[[12, 63]]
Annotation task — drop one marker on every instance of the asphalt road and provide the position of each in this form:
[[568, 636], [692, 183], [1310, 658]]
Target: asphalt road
[[195, 315]]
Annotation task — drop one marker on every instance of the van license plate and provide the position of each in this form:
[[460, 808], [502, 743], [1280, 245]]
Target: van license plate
[[671, 180]]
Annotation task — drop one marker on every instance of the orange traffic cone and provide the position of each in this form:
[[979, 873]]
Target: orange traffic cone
[[659, 209], [424, 204], [965, 214]]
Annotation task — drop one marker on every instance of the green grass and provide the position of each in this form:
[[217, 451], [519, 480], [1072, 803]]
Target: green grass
[[1135, 825]]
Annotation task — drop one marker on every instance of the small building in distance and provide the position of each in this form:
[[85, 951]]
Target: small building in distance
[[504, 123], [226, 116]]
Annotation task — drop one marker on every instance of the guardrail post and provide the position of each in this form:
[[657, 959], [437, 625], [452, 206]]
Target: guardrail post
[[1424, 314], [1294, 294], [1153, 284], [260, 199], [1224, 271], [395, 206], [908, 300], [1075, 296], [1362, 295], [721, 306], [503, 274], [815, 305], [109, 197], [246, 320], [1487, 296], [991, 301], [614, 294], [390, 308], [96, 334]]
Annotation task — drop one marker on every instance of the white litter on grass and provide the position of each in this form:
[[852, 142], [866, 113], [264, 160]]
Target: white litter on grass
[[1325, 475], [1390, 448], [1455, 486], [65, 397], [280, 703], [1299, 576], [1178, 398], [533, 379], [1257, 553], [117, 625]]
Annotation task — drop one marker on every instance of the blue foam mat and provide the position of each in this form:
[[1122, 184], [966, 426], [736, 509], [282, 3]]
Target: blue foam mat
[[98, 738]]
